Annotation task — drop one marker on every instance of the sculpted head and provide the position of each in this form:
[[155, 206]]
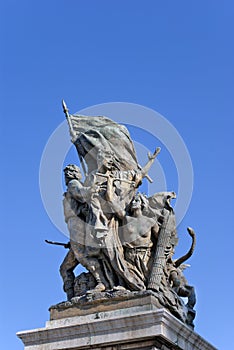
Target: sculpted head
[[105, 159], [139, 202], [71, 172]]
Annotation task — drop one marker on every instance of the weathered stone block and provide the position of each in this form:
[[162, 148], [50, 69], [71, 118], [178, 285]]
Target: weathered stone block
[[115, 325]]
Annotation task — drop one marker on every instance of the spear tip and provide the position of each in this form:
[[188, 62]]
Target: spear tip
[[65, 109]]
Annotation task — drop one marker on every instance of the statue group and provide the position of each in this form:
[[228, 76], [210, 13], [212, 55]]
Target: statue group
[[124, 239]]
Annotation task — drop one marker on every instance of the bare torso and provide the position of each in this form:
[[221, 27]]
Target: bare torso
[[137, 231]]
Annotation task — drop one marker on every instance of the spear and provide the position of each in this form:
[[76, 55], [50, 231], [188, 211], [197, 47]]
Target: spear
[[116, 179]]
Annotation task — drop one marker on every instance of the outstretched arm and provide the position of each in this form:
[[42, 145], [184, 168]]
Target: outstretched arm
[[80, 192]]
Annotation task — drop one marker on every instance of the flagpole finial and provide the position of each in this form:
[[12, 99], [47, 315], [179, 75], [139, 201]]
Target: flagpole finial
[[65, 109], [66, 112]]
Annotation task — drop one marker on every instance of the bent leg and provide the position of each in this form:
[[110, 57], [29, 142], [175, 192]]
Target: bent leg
[[66, 271]]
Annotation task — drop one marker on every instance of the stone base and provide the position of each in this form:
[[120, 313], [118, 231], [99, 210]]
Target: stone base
[[115, 324]]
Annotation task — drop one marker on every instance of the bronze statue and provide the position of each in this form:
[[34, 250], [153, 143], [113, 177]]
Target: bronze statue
[[124, 239]]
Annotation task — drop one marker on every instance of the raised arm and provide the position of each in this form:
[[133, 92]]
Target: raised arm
[[151, 157]]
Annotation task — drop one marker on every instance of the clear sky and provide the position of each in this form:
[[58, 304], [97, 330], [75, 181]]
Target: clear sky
[[175, 57]]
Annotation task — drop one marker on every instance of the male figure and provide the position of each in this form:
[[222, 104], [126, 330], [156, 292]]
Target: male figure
[[76, 209], [81, 218]]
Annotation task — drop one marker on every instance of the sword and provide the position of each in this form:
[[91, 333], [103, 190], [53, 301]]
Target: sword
[[65, 245]]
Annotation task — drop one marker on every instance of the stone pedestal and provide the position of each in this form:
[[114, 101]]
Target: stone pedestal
[[114, 323]]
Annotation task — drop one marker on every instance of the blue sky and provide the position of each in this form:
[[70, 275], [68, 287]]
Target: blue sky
[[175, 57]]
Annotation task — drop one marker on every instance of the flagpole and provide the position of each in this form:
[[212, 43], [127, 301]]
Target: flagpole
[[72, 133]]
